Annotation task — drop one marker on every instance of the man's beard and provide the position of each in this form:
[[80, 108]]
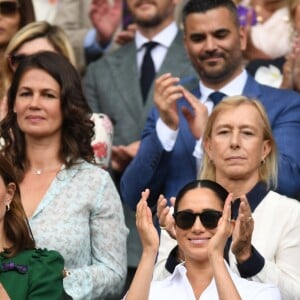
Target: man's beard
[[155, 21]]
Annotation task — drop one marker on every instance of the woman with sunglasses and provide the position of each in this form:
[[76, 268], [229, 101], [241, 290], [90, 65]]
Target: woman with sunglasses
[[202, 215], [240, 154], [14, 14]]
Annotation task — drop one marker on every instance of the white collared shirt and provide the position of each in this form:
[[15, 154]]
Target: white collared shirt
[[164, 39], [178, 287], [168, 136]]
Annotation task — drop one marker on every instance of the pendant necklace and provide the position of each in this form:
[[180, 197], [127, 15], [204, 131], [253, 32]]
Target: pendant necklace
[[37, 171]]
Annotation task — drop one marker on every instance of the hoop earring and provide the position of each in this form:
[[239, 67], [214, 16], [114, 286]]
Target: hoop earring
[[262, 162], [7, 207]]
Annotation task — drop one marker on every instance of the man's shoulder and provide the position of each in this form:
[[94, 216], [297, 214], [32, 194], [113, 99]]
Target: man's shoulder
[[269, 95], [121, 54]]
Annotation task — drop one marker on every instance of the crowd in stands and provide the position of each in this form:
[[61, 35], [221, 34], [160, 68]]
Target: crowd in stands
[[148, 149]]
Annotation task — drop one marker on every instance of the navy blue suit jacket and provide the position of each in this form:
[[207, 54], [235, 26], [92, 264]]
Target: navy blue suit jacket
[[166, 172]]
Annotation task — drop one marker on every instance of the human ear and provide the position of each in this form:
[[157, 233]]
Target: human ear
[[207, 148], [10, 192], [266, 148], [243, 38]]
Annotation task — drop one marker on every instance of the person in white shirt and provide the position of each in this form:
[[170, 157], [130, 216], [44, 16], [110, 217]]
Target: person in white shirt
[[203, 223], [240, 154]]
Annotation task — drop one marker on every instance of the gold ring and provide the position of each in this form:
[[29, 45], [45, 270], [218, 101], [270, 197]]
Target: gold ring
[[248, 219], [229, 220]]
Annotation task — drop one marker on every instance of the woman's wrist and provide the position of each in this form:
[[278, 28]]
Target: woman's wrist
[[243, 255], [66, 273]]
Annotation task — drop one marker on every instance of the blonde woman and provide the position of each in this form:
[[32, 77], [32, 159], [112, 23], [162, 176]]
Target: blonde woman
[[240, 154]]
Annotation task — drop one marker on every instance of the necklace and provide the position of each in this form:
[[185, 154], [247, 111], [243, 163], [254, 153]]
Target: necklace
[[39, 172]]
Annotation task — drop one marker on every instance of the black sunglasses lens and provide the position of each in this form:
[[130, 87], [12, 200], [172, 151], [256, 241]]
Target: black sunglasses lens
[[210, 219], [8, 7], [184, 219]]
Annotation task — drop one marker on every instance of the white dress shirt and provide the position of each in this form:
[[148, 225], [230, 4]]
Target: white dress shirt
[[164, 39], [178, 287]]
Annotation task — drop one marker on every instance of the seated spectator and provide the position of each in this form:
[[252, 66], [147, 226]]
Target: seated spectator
[[26, 272], [41, 36], [282, 72], [71, 203], [77, 19], [13, 16], [269, 37], [202, 216], [240, 154]]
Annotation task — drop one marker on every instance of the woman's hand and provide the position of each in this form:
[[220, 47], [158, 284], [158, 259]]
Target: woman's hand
[[224, 230], [242, 234], [164, 215], [291, 68], [148, 233]]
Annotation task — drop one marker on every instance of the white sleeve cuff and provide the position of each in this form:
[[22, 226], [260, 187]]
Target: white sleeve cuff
[[198, 153], [166, 135]]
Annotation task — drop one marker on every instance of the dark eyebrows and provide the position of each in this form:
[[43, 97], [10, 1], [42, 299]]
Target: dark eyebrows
[[197, 36], [222, 32], [219, 33]]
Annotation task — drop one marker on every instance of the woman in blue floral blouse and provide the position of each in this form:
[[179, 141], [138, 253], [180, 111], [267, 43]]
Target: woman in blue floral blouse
[[72, 203]]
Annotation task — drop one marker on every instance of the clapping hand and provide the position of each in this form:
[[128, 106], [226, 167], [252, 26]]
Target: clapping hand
[[242, 234], [224, 231], [106, 18], [167, 92], [122, 155], [198, 117], [148, 233], [166, 220]]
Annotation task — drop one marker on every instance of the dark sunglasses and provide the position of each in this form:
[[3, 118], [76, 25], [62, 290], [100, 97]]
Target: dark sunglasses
[[15, 59], [186, 219], [8, 8]]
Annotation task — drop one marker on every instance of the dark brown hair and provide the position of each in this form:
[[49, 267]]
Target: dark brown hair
[[219, 191], [16, 227], [199, 6], [77, 128], [26, 12]]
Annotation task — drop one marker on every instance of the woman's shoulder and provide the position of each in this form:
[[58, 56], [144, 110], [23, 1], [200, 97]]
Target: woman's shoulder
[[279, 200], [83, 165], [45, 263], [32, 259], [275, 204], [38, 254], [84, 170]]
